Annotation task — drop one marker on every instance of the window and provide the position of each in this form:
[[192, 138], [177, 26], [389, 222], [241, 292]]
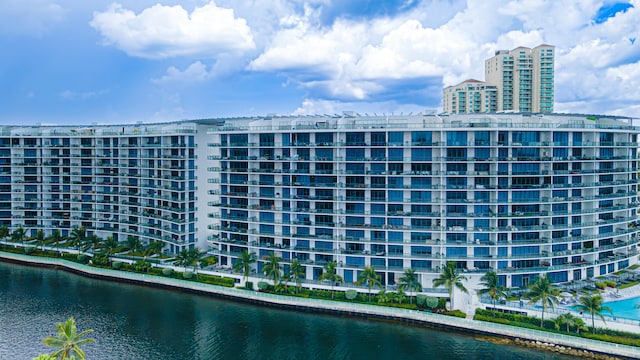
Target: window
[[456, 138]]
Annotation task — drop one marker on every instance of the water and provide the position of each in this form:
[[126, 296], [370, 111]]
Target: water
[[135, 322], [625, 309]]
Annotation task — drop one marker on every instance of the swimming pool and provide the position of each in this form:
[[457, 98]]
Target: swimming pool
[[625, 309]]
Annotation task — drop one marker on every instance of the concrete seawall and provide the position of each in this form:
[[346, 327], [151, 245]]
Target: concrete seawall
[[528, 337]]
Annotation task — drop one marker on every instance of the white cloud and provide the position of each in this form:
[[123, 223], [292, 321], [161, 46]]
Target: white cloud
[[31, 17], [195, 72], [169, 31]]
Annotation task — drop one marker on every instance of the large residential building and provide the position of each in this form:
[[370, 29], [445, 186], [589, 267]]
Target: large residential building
[[520, 194], [120, 181], [519, 80], [470, 96]]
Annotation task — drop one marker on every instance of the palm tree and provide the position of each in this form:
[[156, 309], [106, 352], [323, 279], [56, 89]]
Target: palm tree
[[243, 263], [410, 282], [39, 239], [4, 232], [77, 237], [272, 268], [54, 238], [183, 258], [559, 321], [450, 278], [331, 275], [18, 235], [195, 255], [492, 286], [68, 340], [110, 244], [297, 273], [133, 243], [155, 247], [369, 276], [542, 290], [569, 320], [593, 305]]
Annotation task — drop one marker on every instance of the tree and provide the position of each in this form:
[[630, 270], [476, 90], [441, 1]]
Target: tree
[[410, 282], [243, 263], [39, 239], [110, 244], [491, 286], [559, 321], [272, 268], [68, 340], [331, 275], [397, 296], [91, 242], [451, 278], [383, 297], [542, 290], [194, 256], [155, 247], [369, 276], [593, 305], [4, 232], [569, 320], [54, 238], [133, 243], [297, 272], [18, 235], [77, 237], [183, 258]]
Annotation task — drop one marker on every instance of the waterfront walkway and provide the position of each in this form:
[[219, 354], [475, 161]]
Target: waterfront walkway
[[429, 319]]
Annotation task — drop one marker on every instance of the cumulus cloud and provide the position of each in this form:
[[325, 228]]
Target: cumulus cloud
[[195, 72], [168, 31], [368, 60]]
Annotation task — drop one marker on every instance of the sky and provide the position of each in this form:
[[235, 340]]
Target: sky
[[106, 62]]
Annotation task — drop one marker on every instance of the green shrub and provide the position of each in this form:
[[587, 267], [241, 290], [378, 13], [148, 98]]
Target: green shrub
[[456, 313], [601, 285], [29, 250], [116, 265], [141, 266], [82, 258], [187, 275], [167, 271], [610, 283], [432, 302], [421, 300], [248, 285], [491, 319], [100, 259], [262, 285], [624, 340], [350, 294]]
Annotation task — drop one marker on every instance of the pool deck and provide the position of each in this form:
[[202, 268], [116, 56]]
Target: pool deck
[[317, 305]]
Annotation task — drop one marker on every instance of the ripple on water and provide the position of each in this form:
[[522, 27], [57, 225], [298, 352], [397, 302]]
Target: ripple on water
[[134, 322]]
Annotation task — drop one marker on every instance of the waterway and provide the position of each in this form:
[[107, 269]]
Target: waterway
[[136, 322]]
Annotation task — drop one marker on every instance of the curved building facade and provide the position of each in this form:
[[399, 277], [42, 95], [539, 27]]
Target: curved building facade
[[519, 194]]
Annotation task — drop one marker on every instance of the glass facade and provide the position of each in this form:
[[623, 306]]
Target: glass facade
[[113, 181], [518, 194]]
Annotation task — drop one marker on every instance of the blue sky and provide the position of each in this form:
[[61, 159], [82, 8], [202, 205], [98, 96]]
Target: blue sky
[[75, 62]]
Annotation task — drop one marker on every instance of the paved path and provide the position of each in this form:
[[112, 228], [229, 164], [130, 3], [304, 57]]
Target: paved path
[[429, 319]]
